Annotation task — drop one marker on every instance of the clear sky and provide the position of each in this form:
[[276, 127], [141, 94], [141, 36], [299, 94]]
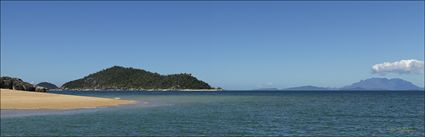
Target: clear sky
[[234, 45]]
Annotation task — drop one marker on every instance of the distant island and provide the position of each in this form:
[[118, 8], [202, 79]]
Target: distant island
[[47, 85], [123, 78], [369, 84], [266, 89], [309, 87], [382, 84]]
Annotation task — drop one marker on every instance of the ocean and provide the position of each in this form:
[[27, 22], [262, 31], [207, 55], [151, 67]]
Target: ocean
[[231, 113]]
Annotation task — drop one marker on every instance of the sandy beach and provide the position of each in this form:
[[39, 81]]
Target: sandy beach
[[13, 99]]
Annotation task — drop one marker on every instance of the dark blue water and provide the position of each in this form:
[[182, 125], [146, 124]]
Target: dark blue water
[[252, 113]]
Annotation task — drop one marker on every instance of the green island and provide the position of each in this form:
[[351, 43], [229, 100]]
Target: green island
[[127, 78]]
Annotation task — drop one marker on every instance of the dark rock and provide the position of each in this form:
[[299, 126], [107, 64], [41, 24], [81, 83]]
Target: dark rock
[[18, 87], [29, 87], [40, 89], [6, 83], [16, 84]]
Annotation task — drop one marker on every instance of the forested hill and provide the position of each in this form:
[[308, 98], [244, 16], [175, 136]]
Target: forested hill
[[118, 77]]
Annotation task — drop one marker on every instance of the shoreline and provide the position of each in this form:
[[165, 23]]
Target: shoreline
[[137, 90], [25, 100]]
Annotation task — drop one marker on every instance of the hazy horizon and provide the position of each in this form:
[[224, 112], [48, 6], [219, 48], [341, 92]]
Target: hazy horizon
[[234, 45]]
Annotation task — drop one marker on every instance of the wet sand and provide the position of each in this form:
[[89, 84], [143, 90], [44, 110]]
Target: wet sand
[[14, 99]]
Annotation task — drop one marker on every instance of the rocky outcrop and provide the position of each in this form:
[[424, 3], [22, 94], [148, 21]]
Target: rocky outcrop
[[16, 84], [40, 89]]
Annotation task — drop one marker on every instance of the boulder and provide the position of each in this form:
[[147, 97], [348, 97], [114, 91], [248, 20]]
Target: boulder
[[18, 87], [29, 87], [40, 89], [6, 83], [16, 84]]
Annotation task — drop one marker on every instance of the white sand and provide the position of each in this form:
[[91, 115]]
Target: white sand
[[14, 99]]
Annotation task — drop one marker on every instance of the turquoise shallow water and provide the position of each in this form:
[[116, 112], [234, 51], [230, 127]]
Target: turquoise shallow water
[[252, 113]]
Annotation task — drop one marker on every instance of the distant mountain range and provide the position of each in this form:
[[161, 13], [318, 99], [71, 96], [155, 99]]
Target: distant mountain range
[[382, 84], [369, 84], [118, 77], [308, 88], [266, 89]]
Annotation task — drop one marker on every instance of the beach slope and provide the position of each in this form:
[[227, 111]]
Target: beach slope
[[14, 99]]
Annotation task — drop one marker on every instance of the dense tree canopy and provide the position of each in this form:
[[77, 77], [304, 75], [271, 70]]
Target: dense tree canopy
[[118, 77]]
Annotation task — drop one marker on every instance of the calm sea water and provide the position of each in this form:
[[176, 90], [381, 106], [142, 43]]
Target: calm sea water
[[252, 113]]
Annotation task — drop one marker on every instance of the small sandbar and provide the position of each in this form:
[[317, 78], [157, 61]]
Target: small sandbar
[[13, 99]]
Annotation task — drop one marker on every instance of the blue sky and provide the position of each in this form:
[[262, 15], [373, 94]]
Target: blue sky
[[234, 45]]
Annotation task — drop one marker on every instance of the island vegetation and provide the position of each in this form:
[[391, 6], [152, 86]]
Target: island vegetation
[[118, 77]]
